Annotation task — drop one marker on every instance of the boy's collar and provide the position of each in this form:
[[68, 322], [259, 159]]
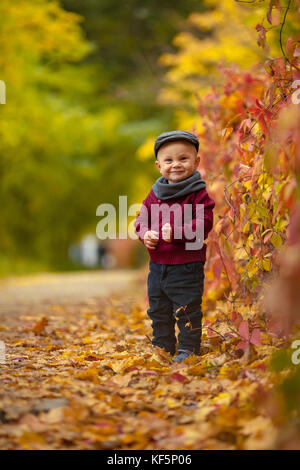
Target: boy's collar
[[163, 190]]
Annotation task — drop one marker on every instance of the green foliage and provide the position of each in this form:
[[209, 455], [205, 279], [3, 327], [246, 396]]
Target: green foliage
[[44, 131], [290, 389], [80, 101], [129, 36], [281, 360]]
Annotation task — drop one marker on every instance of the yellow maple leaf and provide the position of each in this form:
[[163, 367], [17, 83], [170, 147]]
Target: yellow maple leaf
[[89, 374]]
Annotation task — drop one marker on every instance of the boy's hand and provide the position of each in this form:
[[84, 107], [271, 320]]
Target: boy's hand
[[151, 239], [167, 233]]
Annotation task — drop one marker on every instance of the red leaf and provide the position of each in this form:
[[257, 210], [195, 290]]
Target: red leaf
[[236, 318], [254, 110], [242, 345], [262, 124], [261, 366], [91, 358], [210, 332], [244, 330], [178, 377], [258, 103], [102, 424], [255, 337], [130, 368], [217, 269], [234, 315]]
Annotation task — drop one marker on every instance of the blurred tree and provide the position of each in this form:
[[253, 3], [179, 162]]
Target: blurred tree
[[44, 133], [129, 37], [225, 33], [81, 98]]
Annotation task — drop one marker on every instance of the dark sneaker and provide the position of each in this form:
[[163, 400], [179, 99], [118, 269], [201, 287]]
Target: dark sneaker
[[181, 355]]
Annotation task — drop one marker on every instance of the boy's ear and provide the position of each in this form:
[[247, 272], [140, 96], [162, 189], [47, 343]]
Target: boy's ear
[[157, 164]]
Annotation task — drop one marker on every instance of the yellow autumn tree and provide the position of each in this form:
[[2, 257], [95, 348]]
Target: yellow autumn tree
[[43, 128], [224, 34]]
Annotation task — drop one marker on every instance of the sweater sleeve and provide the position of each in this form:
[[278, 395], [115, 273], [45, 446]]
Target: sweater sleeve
[[196, 221], [142, 221]]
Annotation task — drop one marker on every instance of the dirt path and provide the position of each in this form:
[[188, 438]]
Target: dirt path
[[36, 293]]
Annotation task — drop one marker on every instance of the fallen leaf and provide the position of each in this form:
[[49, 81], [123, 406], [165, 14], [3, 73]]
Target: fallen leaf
[[40, 325]]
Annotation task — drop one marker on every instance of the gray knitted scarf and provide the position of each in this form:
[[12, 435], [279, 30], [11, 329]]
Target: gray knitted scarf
[[163, 190]]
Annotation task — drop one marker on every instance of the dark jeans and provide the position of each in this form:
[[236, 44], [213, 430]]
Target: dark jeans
[[169, 288]]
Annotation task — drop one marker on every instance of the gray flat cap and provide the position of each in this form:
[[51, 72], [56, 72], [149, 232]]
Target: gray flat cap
[[175, 135]]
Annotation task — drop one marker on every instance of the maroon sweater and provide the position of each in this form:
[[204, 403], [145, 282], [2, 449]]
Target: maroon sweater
[[175, 252]]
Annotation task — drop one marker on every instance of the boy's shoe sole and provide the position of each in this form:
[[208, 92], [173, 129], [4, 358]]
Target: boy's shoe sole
[[182, 355]]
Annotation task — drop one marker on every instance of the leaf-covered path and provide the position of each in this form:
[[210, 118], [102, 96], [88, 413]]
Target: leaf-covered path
[[82, 374]]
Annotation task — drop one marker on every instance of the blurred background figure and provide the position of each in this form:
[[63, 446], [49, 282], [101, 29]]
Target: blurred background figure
[[89, 251], [92, 253]]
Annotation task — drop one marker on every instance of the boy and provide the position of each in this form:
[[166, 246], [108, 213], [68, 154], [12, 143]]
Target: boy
[[176, 277]]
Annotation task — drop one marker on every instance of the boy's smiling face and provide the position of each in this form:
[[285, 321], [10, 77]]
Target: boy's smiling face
[[177, 160]]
